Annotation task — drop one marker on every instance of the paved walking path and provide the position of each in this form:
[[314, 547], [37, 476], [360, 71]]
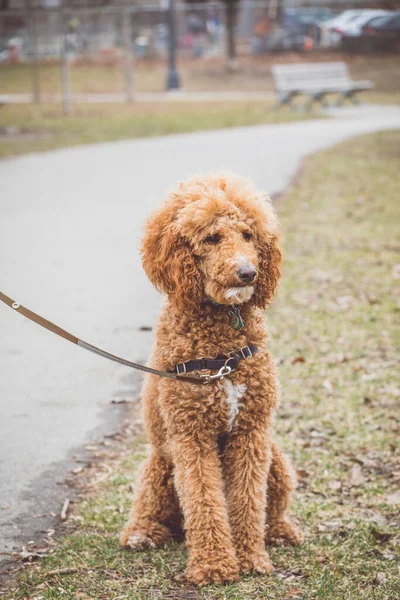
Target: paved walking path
[[70, 233], [120, 97]]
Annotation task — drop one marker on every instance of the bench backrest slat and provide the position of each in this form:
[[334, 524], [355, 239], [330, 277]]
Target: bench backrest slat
[[292, 77]]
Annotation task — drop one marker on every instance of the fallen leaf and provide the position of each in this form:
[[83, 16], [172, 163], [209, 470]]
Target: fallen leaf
[[339, 358], [294, 593], [64, 510], [302, 473], [328, 385], [396, 271], [368, 376], [315, 433], [321, 558], [355, 476], [393, 499], [65, 571], [298, 359], [29, 556], [372, 299], [345, 301], [335, 485], [388, 556], [379, 579], [332, 525]]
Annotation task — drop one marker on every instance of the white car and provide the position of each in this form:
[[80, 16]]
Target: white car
[[355, 26], [348, 22], [329, 30]]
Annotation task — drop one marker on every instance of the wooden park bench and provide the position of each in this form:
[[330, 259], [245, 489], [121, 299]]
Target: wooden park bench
[[316, 80]]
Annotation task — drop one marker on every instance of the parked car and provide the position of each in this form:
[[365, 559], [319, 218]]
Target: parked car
[[331, 30], [379, 34], [349, 22], [355, 26]]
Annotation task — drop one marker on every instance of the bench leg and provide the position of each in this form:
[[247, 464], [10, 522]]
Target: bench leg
[[323, 101], [279, 101], [320, 97], [349, 95], [308, 103], [355, 99], [284, 99], [316, 97], [341, 98]]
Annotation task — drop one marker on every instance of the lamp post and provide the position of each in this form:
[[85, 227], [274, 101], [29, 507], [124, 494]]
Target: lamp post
[[173, 79]]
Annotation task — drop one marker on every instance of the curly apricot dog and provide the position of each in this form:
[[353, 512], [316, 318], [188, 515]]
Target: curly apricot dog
[[212, 248]]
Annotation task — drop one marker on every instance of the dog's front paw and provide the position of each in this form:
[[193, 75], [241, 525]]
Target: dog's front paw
[[283, 533], [202, 571], [138, 539], [257, 563]]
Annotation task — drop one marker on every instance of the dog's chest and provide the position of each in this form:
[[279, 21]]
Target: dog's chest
[[233, 394]]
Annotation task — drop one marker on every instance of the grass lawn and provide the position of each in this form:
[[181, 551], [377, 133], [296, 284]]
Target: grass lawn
[[36, 128], [335, 330], [254, 73]]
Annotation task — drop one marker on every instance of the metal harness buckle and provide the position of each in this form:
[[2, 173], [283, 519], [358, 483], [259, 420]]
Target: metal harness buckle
[[178, 369], [223, 372], [246, 352]]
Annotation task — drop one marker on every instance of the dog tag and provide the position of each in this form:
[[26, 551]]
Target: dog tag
[[236, 318]]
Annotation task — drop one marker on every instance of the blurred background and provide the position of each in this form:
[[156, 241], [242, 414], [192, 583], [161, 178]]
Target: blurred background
[[110, 50]]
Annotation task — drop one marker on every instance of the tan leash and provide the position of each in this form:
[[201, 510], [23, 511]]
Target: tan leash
[[29, 314]]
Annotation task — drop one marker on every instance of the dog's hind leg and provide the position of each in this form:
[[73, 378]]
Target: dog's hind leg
[[281, 482], [155, 511]]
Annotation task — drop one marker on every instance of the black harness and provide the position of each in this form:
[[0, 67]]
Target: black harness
[[216, 364]]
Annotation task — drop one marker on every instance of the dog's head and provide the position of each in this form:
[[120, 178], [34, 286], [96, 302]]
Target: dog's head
[[215, 238]]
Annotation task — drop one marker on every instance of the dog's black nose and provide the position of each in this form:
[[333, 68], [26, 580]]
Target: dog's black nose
[[247, 274]]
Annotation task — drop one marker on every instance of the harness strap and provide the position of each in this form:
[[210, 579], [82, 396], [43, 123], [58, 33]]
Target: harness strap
[[215, 364]]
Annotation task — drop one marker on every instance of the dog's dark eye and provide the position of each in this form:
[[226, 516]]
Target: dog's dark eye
[[213, 239], [247, 235]]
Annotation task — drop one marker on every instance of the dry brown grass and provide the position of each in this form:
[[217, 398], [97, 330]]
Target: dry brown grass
[[253, 74], [31, 128]]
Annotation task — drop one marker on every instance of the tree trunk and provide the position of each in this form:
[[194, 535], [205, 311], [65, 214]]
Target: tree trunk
[[230, 11], [128, 54]]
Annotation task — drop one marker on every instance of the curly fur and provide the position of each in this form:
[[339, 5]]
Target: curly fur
[[213, 470]]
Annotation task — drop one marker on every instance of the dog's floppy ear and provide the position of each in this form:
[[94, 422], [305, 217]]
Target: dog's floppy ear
[[269, 253], [169, 261], [270, 259]]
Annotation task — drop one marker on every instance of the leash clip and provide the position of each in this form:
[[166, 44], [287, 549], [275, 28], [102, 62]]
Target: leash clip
[[223, 372]]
